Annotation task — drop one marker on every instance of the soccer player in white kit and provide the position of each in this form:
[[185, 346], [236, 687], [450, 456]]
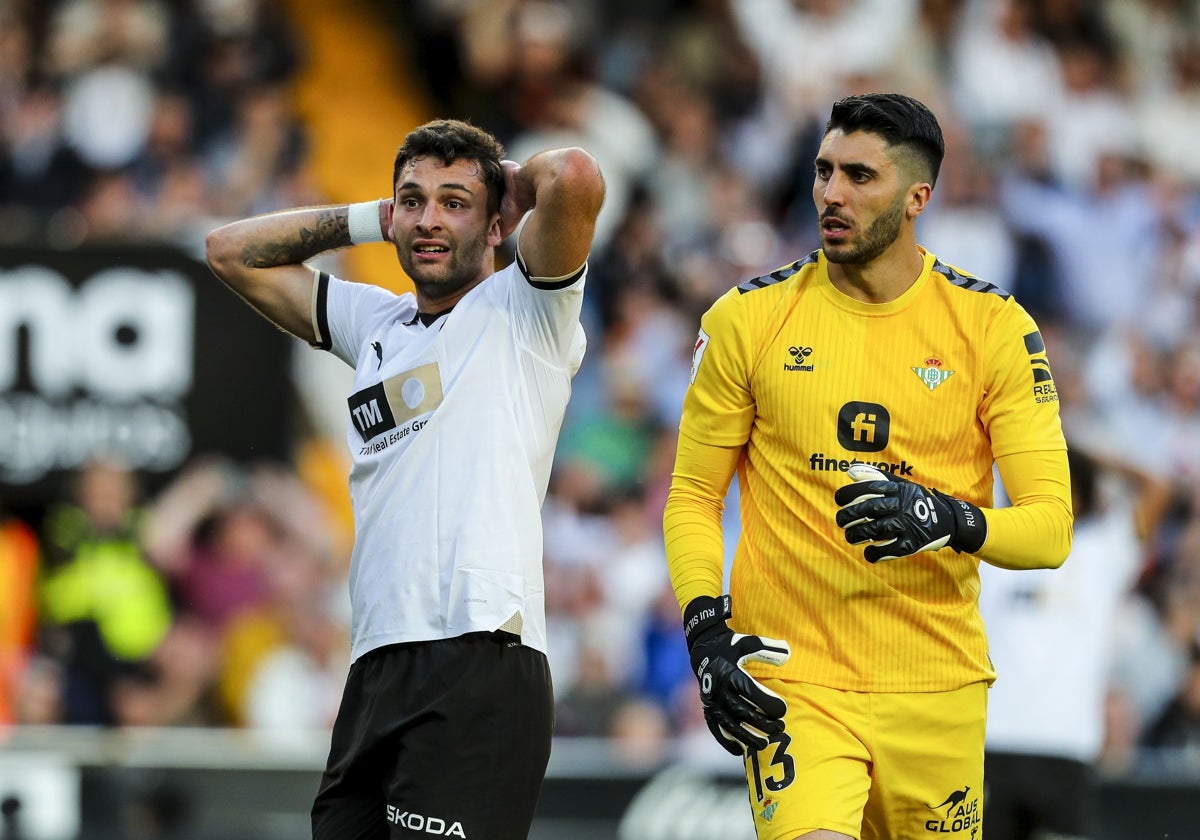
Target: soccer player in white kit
[[459, 394]]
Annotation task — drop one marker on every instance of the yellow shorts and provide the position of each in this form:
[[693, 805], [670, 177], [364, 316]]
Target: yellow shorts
[[873, 766]]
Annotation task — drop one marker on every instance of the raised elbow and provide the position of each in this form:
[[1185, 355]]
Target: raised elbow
[[220, 253], [579, 173], [1057, 548], [1055, 560], [1061, 550]]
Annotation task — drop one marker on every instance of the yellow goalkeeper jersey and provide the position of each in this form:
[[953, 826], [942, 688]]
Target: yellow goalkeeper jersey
[[932, 386]]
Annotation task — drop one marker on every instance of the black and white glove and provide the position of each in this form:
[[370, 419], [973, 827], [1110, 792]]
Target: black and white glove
[[739, 711], [901, 518]]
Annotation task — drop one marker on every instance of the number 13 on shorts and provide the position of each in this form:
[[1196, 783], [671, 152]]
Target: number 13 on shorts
[[875, 765]]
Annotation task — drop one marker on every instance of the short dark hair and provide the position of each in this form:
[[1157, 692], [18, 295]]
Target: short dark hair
[[898, 119], [449, 140]]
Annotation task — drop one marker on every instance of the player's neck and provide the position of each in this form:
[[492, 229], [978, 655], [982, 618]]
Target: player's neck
[[435, 298], [882, 279]]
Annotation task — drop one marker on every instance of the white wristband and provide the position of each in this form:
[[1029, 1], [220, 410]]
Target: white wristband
[[364, 222]]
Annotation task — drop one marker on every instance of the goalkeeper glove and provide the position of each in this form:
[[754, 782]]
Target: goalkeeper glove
[[901, 518], [739, 712]]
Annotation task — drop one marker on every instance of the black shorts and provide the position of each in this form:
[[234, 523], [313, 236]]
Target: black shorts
[[447, 738], [1028, 794]]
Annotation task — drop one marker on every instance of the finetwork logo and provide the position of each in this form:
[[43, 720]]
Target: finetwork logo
[[819, 462], [863, 426]]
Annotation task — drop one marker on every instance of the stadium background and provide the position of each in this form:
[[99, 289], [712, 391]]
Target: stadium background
[[182, 684]]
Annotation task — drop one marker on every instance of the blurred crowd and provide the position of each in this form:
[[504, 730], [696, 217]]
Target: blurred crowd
[[128, 120], [1072, 179]]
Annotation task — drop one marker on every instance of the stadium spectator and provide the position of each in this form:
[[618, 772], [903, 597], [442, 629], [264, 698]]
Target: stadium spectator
[[1101, 235], [18, 572], [1055, 630], [1004, 72], [104, 607]]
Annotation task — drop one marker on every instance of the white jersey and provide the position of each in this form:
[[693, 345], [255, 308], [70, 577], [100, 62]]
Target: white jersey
[[1051, 635], [452, 431]]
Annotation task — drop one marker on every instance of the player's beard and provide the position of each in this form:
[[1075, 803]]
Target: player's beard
[[875, 239], [460, 270]]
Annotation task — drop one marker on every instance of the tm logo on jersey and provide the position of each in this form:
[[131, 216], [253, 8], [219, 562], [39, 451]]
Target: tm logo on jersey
[[396, 400], [962, 813], [370, 411]]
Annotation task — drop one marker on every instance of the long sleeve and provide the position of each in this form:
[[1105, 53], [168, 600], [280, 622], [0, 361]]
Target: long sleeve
[[1035, 532], [692, 517]]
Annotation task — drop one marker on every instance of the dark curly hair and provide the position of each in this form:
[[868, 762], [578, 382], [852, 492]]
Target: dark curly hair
[[449, 140]]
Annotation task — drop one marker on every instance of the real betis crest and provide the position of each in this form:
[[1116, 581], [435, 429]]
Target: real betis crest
[[932, 374]]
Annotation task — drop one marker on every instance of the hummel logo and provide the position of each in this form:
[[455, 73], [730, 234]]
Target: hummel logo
[[799, 357]]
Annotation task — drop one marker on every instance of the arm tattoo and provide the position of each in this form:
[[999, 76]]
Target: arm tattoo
[[331, 230]]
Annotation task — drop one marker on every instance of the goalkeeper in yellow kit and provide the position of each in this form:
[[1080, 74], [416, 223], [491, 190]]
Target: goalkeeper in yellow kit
[[862, 395]]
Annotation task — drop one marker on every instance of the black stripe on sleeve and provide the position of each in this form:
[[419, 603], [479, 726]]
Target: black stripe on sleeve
[[1034, 343], [556, 284], [321, 315], [538, 283]]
